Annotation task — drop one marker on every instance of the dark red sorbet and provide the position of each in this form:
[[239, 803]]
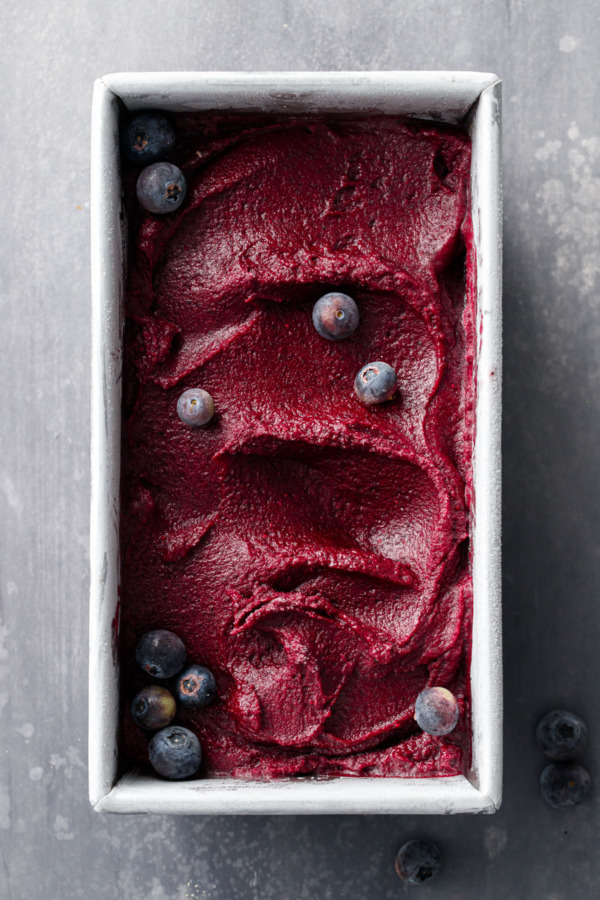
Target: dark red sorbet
[[311, 551]]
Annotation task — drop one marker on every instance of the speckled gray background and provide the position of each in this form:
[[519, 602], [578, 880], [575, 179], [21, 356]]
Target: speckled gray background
[[547, 53]]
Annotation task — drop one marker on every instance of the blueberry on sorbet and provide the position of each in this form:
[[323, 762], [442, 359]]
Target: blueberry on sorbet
[[561, 734], [418, 861], [195, 407], [160, 653], [196, 687], [148, 138], [161, 188], [175, 752], [375, 383], [436, 711], [564, 784], [153, 707], [335, 316]]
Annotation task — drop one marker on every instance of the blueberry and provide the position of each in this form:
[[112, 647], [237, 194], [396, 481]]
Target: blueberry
[[561, 734], [335, 316], [175, 752], [195, 407], [153, 707], [161, 188], [375, 383], [196, 687], [148, 138], [436, 711], [418, 861], [160, 653], [564, 784]]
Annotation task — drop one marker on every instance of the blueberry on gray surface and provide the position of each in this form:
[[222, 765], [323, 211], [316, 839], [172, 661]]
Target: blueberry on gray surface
[[564, 784], [375, 383], [195, 407], [561, 734], [196, 687], [153, 708], [160, 653], [148, 138], [436, 711], [175, 752], [161, 188], [418, 861], [335, 316]]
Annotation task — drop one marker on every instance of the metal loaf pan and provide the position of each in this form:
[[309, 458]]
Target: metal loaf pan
[[455, 97]]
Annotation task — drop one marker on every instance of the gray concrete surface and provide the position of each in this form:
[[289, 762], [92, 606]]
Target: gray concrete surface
[[53, 846]]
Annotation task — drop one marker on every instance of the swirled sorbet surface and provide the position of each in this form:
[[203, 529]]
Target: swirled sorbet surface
[[311, 551]]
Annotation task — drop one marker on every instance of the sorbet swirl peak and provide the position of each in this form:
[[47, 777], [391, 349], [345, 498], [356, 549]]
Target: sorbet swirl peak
[[312, 550]]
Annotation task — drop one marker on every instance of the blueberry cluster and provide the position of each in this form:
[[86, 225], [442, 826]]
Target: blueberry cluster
[[562, 735], [174, 751], [148, 140]]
